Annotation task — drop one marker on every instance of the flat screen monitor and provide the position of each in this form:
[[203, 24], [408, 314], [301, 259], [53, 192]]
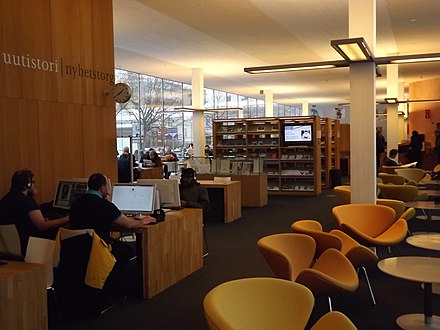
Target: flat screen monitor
[[69, 191], [169, 194], [294, 134], [133, 198]]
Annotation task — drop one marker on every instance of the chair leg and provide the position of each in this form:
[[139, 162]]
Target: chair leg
[[330, 304], [205, 242], [51, 292], [369, 285]]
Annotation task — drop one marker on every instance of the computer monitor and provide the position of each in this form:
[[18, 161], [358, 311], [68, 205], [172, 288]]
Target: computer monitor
[[169, 195], [68, 191], [132, 198]]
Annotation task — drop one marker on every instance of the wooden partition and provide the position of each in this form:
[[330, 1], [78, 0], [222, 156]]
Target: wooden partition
[[56, 62]]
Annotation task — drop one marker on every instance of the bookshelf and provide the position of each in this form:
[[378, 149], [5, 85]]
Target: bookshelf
[[291, 169]]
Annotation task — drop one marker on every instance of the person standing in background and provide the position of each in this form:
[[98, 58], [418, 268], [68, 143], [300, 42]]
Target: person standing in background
[[380, 147], [414, 153], [437, 144]]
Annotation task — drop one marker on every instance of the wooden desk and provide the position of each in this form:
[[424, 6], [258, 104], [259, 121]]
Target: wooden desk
[[23, 296], [231, 197], [151, 172], [171, 250], [253, 187]]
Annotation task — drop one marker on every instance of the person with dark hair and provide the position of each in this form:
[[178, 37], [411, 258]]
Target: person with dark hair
[[391, 160], [436, 148], [380, 146], [94, 211], [124, 169], [154, 157], [19, 207], [414, 153], [192, 193]]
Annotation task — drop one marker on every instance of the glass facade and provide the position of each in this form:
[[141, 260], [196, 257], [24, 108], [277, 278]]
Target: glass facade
[[153, 120]]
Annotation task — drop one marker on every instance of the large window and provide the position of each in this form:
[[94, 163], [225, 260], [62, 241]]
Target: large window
[[150, 117]]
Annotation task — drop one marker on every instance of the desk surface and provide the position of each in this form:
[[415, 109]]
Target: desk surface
[[23, 296], [429, 241], [217, 183], [419, 269]]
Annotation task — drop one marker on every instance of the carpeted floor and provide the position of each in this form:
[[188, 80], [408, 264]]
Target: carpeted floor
[[233, 254]]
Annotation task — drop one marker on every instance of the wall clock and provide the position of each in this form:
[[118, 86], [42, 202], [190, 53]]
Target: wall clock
[[121, 93]]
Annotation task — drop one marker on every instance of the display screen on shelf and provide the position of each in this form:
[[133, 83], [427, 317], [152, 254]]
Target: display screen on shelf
[[297, 134]]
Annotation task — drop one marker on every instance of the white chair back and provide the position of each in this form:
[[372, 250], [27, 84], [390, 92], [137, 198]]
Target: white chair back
[[41, 251], [9, 240]]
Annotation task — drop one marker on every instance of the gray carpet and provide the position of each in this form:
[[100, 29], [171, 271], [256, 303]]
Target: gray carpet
[[233, 254]]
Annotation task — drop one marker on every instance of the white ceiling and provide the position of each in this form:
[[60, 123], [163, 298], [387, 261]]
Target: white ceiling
[[167, 38]]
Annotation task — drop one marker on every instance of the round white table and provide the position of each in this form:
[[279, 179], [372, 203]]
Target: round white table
[[427, 206], [419, 269], [429, 241]]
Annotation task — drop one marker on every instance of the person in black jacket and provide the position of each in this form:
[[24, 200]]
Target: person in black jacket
[[192, 193]]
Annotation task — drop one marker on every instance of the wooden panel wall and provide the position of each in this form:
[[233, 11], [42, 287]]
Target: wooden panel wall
[[424, 90], [56, 61]]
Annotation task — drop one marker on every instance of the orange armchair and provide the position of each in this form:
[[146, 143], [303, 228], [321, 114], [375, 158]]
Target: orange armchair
[[266, 303], [291, 257], [360, 256], [370, 224]]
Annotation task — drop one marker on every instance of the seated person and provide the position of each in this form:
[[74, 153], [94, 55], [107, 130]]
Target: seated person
[[391, 160], [192, 193], [146, 156], [93, 210], [19, 207], [170, 156], [154, 157]]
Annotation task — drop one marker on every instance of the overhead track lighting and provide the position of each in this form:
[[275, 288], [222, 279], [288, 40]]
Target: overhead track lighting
[[296, 67], [353, 50]]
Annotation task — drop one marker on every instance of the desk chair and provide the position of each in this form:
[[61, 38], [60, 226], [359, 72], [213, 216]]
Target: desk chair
[[79, 291], [291, 257], [266, 303], [10, 245], [360, 256], [41, 251]]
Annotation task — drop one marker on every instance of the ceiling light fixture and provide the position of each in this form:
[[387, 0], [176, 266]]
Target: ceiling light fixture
[[353, 50], [187, 109], [391, 100]]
